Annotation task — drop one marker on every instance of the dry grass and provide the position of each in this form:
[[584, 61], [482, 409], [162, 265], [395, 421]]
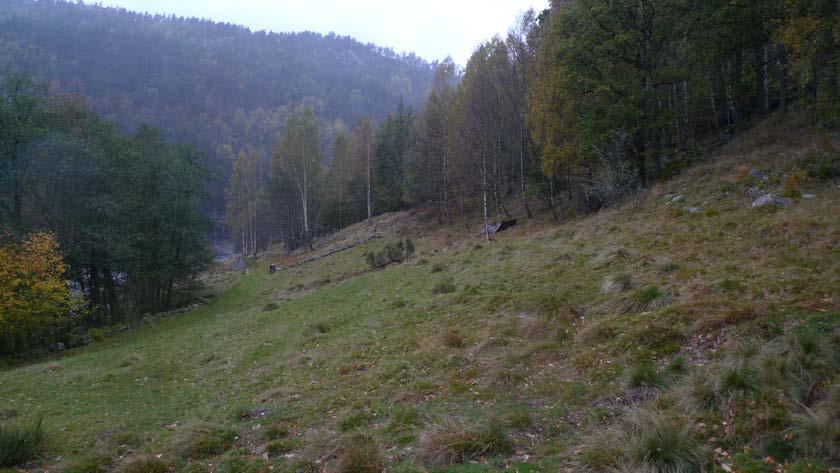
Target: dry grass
[[448, 443], [199, 439], [360, 454]]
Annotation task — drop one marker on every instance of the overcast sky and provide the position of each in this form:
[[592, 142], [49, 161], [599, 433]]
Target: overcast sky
[[431, 28]]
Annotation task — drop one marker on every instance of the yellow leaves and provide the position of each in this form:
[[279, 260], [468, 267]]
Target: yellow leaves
[[32, 289]]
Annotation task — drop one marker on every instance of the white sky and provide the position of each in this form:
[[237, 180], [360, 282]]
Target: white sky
[[432, 29]]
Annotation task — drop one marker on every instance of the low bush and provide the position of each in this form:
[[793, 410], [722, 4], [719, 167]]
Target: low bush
[[21, 443], [391, 253], [444, 287]]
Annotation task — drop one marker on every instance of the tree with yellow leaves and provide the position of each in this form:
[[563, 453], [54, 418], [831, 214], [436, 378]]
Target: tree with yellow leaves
[[33, 293]]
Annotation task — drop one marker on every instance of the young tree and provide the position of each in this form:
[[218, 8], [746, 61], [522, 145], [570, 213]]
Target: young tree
[[361, 147], [298, 156], [436, 134], [32, 289], [244, 197]]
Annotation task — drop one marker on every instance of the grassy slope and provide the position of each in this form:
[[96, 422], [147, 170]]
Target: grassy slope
[[548, 342]]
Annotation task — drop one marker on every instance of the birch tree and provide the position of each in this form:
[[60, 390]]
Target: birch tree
[[299, 157]]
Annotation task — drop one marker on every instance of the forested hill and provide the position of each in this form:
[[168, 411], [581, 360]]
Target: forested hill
[[205, 83]]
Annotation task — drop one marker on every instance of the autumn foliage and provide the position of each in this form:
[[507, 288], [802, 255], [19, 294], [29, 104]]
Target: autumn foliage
[[32, 289]]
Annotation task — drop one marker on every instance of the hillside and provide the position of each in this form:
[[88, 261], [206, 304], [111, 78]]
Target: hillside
[[213, 84], [684, 329]]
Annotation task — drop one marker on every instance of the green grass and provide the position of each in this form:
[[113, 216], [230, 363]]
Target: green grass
[[522, 329], [21, 442]]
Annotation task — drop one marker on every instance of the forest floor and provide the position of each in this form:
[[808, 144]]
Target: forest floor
[[539, 351]]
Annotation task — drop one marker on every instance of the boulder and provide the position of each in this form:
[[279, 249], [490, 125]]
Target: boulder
[[756, 174], [493, 228], [770, 199]]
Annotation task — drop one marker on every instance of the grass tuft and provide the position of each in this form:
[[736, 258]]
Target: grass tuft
[[644, 375], [360, 454], [453, 339], [21, 443], [199, 440], [444, 287], [648, 296], [662, 445], [146, 464], [449, 444], [739, 378]]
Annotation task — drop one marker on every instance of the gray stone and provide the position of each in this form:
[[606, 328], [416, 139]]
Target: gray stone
[[755, 192], [756, 174], [809, 196], [770, 199], [693, 210], [678, 198]]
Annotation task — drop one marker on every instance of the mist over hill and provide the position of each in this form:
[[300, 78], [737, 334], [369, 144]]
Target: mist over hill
[[219, 86]]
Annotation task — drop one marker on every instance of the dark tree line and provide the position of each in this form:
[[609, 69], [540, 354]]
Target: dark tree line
[[126, 209], [576, 106], [218, 86]]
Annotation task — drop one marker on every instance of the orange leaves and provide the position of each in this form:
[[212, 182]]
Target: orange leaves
[[32, 288]]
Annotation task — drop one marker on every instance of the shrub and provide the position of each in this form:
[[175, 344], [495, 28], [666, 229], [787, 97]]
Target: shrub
[[444, 287], [438, 267], [614, 176], [822, 165], [270, 307], [318, 328], [201, 440], [794, 183], [448, 443], [360, 454], [96, 334], [21, 443], [391, 253]]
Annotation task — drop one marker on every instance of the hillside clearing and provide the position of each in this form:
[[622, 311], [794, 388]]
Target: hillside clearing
[[547, 341]]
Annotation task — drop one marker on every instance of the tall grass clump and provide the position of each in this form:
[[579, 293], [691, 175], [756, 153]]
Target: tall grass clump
[[201, 440], [21, 443], [817, 430], [360, 454], [645, 375], [645, 441], [448, 443]]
